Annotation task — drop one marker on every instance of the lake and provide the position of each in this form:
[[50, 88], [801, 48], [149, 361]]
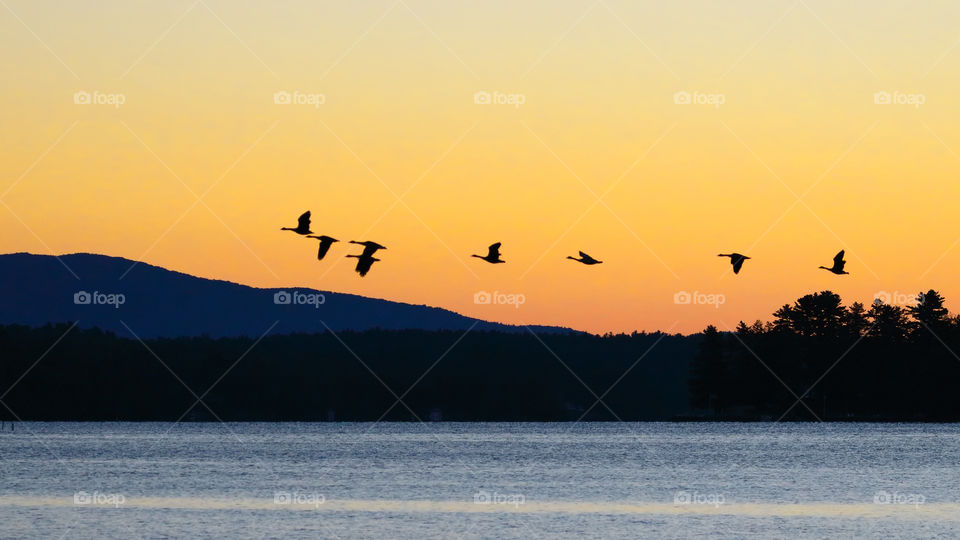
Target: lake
[[480, 480]]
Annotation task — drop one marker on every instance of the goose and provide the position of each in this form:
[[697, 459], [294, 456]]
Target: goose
[[325, 243], [838, 264], [736, 260], [585, 259], [303, 225], [493, 254]]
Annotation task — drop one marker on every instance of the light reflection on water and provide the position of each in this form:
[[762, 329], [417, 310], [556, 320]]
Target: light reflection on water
[[479, 480]]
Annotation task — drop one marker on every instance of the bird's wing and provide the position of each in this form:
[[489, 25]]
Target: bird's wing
[[368, 251], [304, 220], [737, 264], [585, 256], [324, 248], [494, 251], [364, 264], [839, 258]]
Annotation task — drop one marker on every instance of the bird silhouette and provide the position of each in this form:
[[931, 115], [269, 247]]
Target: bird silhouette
[[369, 248], [325, 243], [303, 225], [838, 264], [736, 260], [364, 262], [493, 254], [585, 259]]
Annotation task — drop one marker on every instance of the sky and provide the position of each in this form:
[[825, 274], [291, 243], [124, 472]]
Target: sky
[[652, 135]]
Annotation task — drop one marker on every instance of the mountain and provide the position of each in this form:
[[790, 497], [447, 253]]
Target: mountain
[[114, 293]]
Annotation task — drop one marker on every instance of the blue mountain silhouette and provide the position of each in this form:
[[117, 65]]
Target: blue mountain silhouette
[[156, 302]]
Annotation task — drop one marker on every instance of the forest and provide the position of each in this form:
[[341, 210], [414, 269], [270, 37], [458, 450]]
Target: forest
[[816, 360], [820, 360]]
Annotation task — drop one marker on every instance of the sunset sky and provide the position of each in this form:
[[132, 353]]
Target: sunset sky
[[796, 163]]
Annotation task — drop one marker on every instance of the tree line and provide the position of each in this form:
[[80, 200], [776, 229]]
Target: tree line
[[91, 374], [816, 360], [820, 360]]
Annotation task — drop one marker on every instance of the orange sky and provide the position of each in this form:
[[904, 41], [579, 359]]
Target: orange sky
[[677, 183]]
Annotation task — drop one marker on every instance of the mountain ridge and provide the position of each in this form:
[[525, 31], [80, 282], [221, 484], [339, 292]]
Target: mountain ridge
[[144, 300]]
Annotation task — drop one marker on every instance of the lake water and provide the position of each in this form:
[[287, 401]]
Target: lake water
[[410, 480]]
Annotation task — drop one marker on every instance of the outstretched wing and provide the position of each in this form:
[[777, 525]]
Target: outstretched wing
[[364, 264], [369, 250], [494, 252], [324, 248], [303, 222], [587, 258], [737, 263], [838, 261]]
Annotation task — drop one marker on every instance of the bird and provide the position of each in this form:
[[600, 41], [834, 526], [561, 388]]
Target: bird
[[493, 254], [838, 264], [736, 260], [303, 225], [369, 248], [585, 259], [325, 243], [364, 262]]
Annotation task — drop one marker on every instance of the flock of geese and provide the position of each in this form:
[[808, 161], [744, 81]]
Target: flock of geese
[[366, 259]]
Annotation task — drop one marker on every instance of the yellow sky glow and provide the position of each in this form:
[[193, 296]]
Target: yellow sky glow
[[796, 163]]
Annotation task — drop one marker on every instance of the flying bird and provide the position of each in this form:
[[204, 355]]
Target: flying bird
[[303, 225], [325, 243], [364, 262], [369, 248], [493, 255], [585, 259], [736, 260], [838, 264]]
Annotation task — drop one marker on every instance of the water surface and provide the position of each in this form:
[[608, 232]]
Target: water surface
[[480, 480]]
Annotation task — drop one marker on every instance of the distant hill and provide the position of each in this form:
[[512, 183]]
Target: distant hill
[[156, 302]]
